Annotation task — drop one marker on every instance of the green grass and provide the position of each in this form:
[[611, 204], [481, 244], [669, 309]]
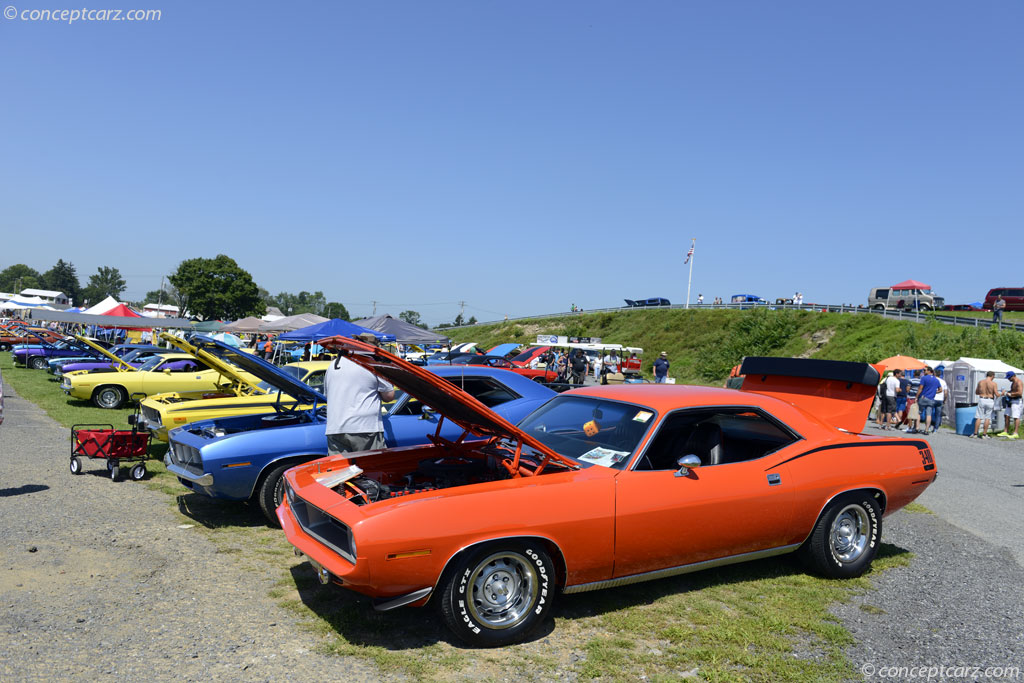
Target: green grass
[[703, 345], [735, 623]]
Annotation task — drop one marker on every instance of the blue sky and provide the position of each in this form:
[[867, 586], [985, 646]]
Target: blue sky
[[521, 156]]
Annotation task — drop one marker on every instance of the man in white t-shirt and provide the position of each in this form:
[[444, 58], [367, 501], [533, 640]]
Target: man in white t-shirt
[[609, 364], [940, 397], [892, 386], [354, 396]]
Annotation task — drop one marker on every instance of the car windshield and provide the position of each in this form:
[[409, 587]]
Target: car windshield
[[133, 354], [289, 370], [151, 364], [592, 431]]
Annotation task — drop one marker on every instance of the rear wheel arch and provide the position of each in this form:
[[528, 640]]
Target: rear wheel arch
[[875, 492]]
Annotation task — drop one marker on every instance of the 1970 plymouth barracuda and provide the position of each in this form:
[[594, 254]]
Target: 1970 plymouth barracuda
[[37, 356], [243, 458], [603, 486], [132, 354], [159, 375]]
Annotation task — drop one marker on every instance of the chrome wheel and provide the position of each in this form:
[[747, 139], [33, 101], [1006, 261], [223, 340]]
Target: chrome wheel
[[109, 397], [849, 535], [503, 589]]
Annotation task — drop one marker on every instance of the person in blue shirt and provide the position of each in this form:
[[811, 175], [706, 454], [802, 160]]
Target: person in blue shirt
[[661, 368], [926, 397]]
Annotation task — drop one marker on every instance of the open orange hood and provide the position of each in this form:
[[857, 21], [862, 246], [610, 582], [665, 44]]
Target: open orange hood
[[837, 392]]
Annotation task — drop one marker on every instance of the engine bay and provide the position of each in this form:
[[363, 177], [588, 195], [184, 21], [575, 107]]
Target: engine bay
[[431, 474], [446, 468]]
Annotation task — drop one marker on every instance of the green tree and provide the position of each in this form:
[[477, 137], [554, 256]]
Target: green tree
[[63, 278], [15, 278], [458, 321], [333, 309], [412, 317], [216, 288], [106, 282], [472, 320]]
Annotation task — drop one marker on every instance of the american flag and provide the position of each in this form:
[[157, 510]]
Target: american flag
[[688, 255]]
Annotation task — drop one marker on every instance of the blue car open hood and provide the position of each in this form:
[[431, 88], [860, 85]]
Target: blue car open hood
[[268, 372]]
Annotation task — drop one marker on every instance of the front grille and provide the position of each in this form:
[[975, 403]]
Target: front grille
[[186, 456], [322, 527], [152, 416]]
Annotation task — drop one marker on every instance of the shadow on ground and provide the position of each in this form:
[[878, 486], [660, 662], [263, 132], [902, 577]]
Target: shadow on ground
[[353, 618], [215, 514], [22, 490]]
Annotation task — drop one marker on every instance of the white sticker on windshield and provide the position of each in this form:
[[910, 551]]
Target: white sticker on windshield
[[642, 416], [604, 456]]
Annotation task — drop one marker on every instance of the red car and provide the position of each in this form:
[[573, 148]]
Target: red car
[[600, 487]]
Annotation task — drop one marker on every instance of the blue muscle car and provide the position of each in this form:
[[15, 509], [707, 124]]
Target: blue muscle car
[[244, 458]]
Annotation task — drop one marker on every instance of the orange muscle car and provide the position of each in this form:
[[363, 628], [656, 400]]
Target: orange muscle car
[[603, 486]]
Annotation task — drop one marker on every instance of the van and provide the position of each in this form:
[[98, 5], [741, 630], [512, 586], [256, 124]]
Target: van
[[1013, 296], [881, 298]]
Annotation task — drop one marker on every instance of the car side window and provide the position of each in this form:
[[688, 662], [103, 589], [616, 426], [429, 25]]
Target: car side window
[[316, 380], [718, 436]]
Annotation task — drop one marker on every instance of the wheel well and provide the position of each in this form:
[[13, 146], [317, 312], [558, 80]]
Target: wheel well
[[875, 493], [270, 466], [550, 547]]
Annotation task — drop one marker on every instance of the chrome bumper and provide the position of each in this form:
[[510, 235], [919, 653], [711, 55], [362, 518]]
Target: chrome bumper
[[178, 471]]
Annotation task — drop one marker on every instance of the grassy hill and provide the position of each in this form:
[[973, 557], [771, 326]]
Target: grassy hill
[[704, 345]]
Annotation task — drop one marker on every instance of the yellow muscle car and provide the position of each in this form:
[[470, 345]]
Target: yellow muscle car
[[170, 372], [167, 411]]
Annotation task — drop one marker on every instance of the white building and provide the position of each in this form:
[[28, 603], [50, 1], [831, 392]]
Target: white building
[[47, 295], [160, 311]]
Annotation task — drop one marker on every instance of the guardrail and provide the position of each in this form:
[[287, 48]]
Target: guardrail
[[912, 316]]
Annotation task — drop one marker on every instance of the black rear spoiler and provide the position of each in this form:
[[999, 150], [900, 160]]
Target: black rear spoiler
[[813, 368]]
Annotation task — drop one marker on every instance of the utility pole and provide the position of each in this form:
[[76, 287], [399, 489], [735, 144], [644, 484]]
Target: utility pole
[[374, 309], [462, 311], [160, 299], [689, 281]]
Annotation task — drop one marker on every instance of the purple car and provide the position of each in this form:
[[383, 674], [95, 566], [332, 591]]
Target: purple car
[[36, 357], [134, 356]]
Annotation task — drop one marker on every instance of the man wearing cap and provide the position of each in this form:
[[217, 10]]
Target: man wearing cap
[[1014, 409], [661, 368], [354, 396]]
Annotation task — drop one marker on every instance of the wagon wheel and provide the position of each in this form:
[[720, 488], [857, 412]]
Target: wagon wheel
[[138, 472], [76, 465], [110, 465], [115, 472]]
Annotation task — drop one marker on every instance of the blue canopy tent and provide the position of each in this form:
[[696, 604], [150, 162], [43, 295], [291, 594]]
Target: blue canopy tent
[[332, 328]]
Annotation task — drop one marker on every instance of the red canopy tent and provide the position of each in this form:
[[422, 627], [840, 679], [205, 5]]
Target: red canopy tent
[[911, 284], [122, 311]]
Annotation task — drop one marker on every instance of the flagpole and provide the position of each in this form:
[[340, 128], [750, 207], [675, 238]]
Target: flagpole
[[690, 280]]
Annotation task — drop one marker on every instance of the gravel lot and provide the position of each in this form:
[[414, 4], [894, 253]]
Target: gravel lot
[[961, 601], [98, 580]]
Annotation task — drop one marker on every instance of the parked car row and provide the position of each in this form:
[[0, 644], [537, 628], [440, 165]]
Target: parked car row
[[495, 494]]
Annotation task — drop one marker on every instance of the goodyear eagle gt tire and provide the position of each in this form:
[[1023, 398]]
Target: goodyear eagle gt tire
[[846, 537], [499, 594]]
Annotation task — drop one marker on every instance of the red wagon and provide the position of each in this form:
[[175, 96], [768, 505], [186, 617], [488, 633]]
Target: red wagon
[[118, 447]]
